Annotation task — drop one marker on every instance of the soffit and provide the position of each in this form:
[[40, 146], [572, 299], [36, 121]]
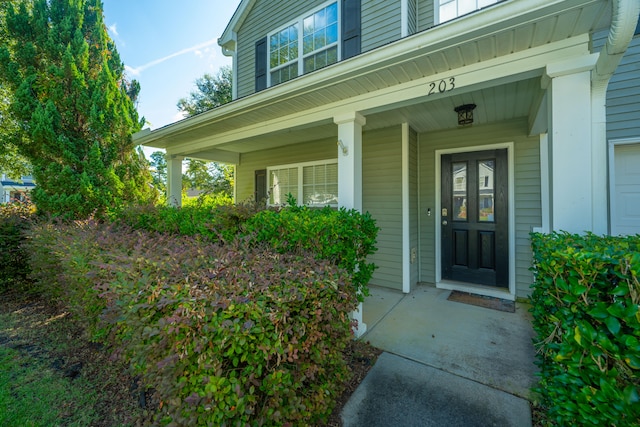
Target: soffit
[[471, 40]]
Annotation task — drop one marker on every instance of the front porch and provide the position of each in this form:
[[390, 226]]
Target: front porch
[[487, 346]]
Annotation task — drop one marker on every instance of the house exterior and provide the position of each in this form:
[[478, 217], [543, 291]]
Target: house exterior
[[15, 190], [353, 103]]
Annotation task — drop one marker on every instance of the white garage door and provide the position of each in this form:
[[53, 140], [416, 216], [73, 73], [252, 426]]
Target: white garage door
[[625, 209]]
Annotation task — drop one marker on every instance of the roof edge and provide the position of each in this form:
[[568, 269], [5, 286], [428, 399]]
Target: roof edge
[[236, 22]]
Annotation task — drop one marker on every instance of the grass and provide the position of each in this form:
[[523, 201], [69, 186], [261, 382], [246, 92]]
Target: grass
[[34, 394], [51, 375]]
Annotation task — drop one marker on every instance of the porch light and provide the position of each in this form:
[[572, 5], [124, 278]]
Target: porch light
[[465, 114], [344, 149]]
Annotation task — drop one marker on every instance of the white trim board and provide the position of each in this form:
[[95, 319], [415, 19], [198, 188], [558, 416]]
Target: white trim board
[[468, 287], [613, 143]]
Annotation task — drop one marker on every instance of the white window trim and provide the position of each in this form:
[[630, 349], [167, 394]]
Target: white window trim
[[300, 167], [613, 143], [436, 10], [299, 22]]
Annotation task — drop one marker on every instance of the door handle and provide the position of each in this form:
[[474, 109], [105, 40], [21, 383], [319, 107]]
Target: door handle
[[444, 222]]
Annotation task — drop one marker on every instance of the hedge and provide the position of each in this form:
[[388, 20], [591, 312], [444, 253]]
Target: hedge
[[586, 310], [15, 218], [233, 334], [345, 237]]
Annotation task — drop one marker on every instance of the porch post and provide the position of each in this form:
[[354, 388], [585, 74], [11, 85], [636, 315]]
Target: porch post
[[571, 165], [174, 180], [599, 161], [350, 176]]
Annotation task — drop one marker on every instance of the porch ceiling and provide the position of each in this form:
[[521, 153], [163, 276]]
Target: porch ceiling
[[262, 120]]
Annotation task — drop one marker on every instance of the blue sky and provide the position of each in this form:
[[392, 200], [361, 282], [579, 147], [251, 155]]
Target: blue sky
[[166, 45]]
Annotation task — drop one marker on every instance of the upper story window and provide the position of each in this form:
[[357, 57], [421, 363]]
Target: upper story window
[[450, 9], [309, 43]]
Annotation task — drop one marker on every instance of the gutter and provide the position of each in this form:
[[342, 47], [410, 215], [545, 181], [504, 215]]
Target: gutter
[[450, 33], [623, 25]]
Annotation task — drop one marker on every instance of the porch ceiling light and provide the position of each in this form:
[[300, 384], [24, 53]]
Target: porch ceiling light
[[465, 114]]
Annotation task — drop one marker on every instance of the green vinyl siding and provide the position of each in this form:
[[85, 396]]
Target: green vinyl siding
[[527, 189], [382, 197], [382, 183], [262, 19], [623, 92], [298, 153], [380, 23], [425, 14]]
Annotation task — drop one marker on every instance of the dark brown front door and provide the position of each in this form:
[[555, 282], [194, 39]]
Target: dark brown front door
[[474, 217]]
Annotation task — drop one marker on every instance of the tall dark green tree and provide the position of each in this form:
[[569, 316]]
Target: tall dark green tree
[[11, 162], [69, 97]]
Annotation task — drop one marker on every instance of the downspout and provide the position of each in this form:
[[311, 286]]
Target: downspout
[[230, 49], [623, 24]]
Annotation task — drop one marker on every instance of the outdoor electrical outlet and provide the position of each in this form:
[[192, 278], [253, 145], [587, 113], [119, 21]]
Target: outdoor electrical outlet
[[414, 255]]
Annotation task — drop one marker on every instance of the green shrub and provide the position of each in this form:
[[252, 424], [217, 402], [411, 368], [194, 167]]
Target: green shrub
[[211, 219], [586, 309], [344, 237], [15, 219], [232, 334]]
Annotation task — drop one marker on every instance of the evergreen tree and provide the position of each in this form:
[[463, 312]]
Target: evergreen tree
[[69, 96], [11, 162]]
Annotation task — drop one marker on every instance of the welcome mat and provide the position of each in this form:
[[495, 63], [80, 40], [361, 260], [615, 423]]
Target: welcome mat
[[483, 301]]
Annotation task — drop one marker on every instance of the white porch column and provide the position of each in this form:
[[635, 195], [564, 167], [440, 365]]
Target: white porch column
[[599, 161], [174, 180], [350, 176], [350, 159], [571, 167]]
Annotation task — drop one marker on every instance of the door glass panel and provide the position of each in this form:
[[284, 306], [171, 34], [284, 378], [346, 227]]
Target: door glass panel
[[486, 191], [459, 179]]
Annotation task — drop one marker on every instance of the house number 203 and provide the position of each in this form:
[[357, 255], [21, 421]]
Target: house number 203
[[442, 86]]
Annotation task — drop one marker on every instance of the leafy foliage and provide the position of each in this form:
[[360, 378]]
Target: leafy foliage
[[15, 219], [344, 237], [586, 308], [212, 218], [212, 91], [158, 165], [71, 105], [231, 334], [208, 177]]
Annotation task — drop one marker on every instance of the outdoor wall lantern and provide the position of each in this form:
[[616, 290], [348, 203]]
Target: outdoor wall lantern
[[344, 149], [465, 114]]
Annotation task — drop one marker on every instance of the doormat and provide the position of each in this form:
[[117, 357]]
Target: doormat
[[483, 301]]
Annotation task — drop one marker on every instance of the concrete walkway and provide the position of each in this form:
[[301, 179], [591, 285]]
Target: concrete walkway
[[445, 363]]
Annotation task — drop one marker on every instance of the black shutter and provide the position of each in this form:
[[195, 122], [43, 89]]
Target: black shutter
[[261, 185], [351, 12], [261, 64]]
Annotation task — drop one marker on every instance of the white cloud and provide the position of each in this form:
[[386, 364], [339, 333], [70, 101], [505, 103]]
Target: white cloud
[[113, 29], [131, 70], [136, 71]]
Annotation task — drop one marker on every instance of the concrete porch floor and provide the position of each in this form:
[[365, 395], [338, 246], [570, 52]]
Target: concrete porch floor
[[483, 345]]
